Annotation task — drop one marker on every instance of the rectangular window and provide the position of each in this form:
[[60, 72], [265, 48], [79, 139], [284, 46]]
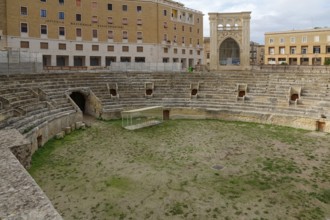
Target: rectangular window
[[78, 32], [78, 17], [125, 7], [61, 2], [110, 34], [183, 51], [125, 21], [191, 52], [165, 50], [139, 21], [125, 48], [316, 38], [94, 5], [43, 0], [271, 51], [165, 37], [94, 31], [61, 15], [292, 50], [61, 31], [182, 28], [43, 45], [271, 40], [139, 35], [125, 35], [24, 28], [24, 11], [95, 47], [94, 19], [109, 7], [174, 27], [78, 3], [175, 51], [328, 49], [304, 39], [190, 29], [183, 40], [79, 47], [282, 40], [110, 21], [165, 24], [304, 50], [316, 49], [62, 46], [292, 40], [139, 9], [25, 44], [282, 50], [111, 48], [43, 13], [165, 12], [139, 49], [208, 56], [43, 29]]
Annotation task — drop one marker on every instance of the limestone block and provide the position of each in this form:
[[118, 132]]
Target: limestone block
[[79, 125], [60, 135], [67, 130]]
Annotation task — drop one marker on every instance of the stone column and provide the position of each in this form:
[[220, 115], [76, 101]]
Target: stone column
[[245, 58], [214, 50], [53, 60]]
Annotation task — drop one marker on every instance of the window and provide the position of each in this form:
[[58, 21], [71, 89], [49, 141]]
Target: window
[[95, 47], [190, 29], [165, 24], [62, 46], [316, 49], [197, 20], [174, 26], [110, 21], [292, 40], [94, 19], [282, 40], [292, 50], [271, 40], [125, 48], [183, 40], [43, 0], [61, 2], [61, 31], [165, 12], [79, 47], [25, 44], [304, 39], [61, 15], [24, 28], [165, 50], [182, 28], [24, 11], [139, 21], [282, 50], [110, 34], [125, 7], [174, 39], [198, 31], [175, 51], [271, 50], [109, 7], [43, 29], [139, 35], [78, 17], [165, 37], [94, 32], [190, 40], [43, 13], [183, 51], [94, 5], [78, 3], [328, 49], [304, 50], [111, 48], [125, 35], [208, 56], [139, 9], [316, 38], [139, 49], [191, 52], [125, 21], [43, 45], [78, 32]]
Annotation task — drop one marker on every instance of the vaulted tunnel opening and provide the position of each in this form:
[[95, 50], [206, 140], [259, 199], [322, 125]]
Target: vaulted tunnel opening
[[79, 99]]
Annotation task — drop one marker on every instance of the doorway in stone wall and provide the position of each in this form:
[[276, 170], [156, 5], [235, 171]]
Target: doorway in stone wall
[[79, 99]]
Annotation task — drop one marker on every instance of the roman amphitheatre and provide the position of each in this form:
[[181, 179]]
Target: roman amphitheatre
[[247, 144]]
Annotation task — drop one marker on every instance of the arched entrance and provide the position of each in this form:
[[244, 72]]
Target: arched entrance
[[229, 52], [79, 99]]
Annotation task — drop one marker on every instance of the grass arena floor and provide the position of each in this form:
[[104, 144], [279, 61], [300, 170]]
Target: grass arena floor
[[187, 169]]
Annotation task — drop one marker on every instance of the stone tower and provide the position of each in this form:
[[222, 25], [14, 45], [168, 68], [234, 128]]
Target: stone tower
[[230, 41]]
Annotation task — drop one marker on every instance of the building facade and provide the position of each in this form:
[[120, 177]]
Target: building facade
[[230, 41], [207, 52], [99, 32], [298, 47], [257, 53]]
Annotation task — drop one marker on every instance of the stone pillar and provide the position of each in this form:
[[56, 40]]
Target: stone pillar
[[214, 50], [71, 60], [53, 60], [245, 55]]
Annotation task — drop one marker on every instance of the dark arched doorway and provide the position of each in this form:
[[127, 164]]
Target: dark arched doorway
[[229, 52], [79, 99]]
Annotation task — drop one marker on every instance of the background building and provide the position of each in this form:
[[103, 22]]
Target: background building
[[207, 52], [97, 33], [257, 53], [298, 47]]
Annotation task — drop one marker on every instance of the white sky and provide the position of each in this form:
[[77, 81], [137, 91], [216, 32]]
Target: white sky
[[268, 15]]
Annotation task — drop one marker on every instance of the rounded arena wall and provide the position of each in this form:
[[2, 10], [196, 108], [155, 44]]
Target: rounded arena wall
[[37, 107]]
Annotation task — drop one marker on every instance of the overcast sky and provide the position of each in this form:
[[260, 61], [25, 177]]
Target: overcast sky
[[268, 15]]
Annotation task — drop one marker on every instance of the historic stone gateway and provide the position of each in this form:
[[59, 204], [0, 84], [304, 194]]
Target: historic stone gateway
[[230, 40]]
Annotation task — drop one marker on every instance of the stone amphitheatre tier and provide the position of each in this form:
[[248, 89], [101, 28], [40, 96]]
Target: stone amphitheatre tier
[[39, 106]]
